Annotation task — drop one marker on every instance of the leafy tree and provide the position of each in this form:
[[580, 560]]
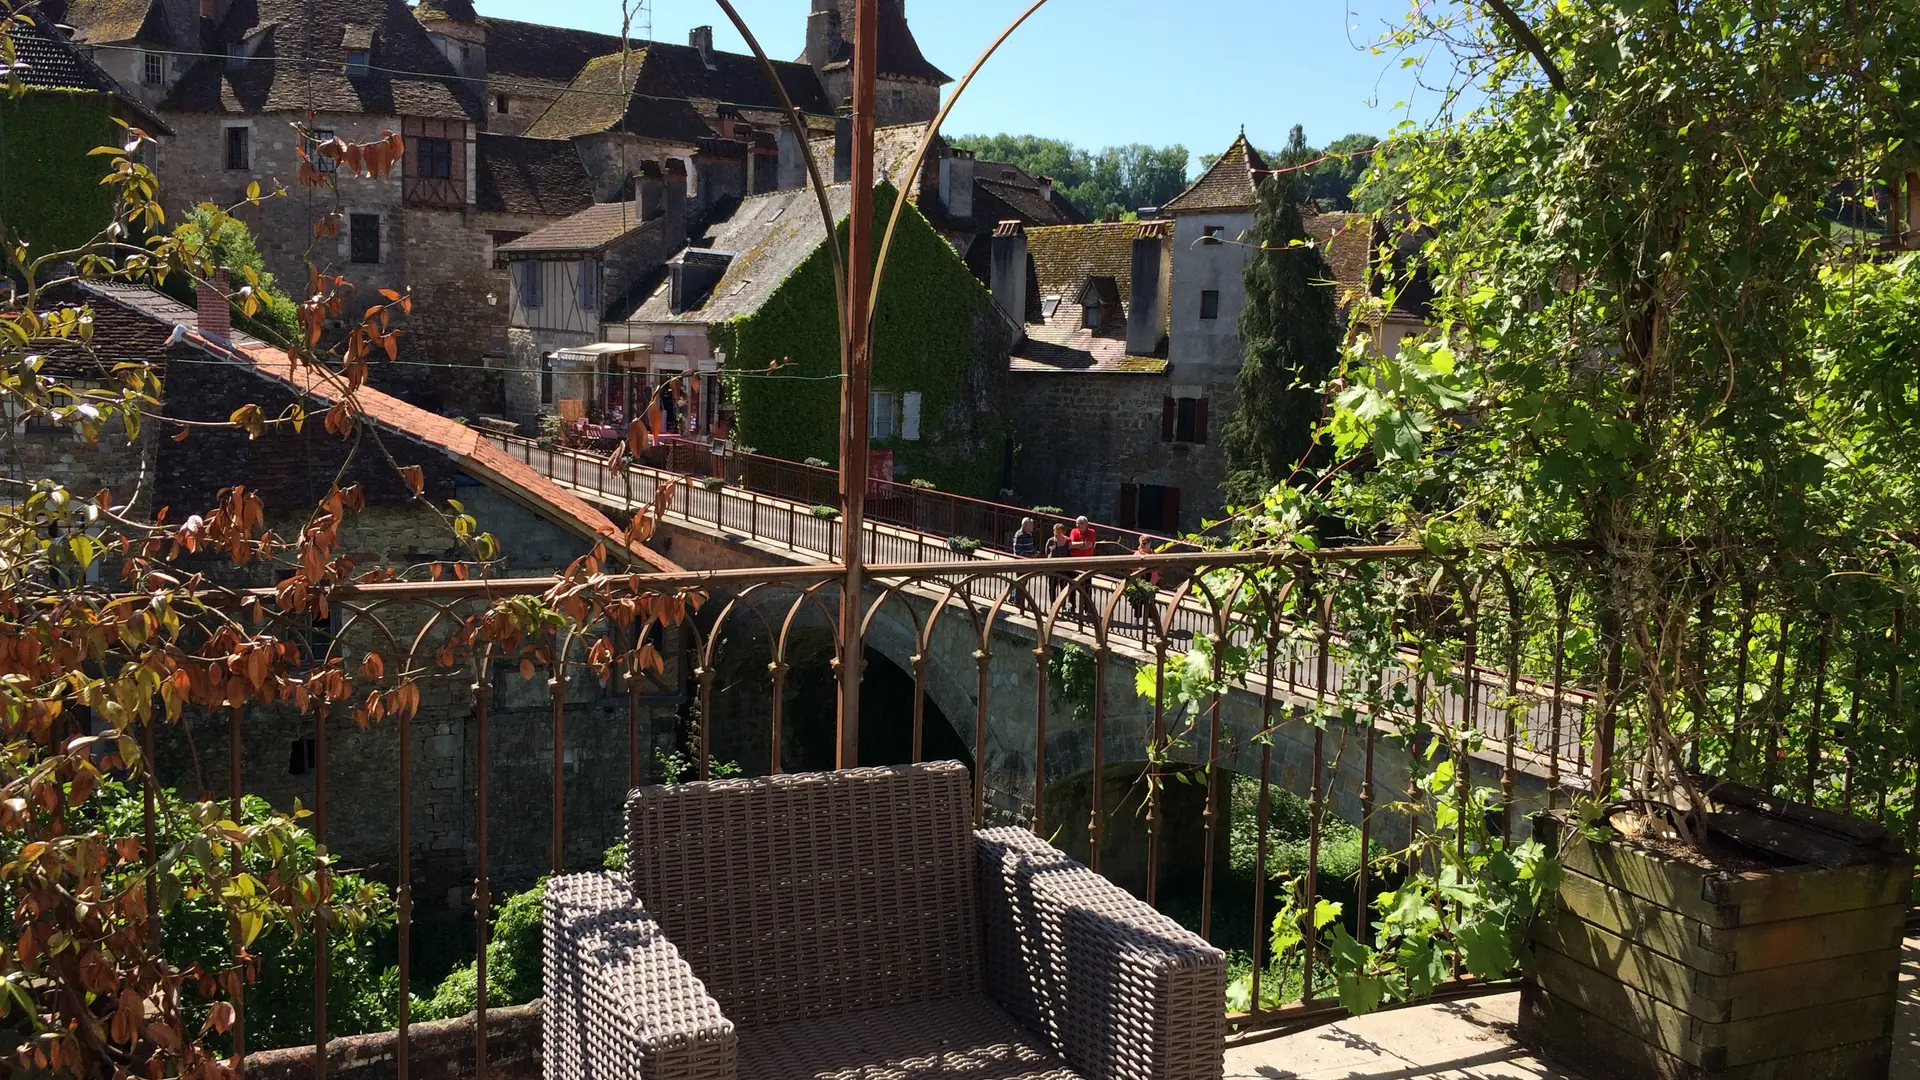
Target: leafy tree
[[1116, 180], [1290, 340], [226, 242]]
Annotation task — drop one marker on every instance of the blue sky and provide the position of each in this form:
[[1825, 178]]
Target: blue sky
[[1105, 72]]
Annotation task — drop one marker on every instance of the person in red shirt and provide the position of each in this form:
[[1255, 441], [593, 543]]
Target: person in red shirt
[[1082, 536]]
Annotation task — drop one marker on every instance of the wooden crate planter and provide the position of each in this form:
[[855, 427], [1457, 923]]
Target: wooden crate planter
[[1655, 968]]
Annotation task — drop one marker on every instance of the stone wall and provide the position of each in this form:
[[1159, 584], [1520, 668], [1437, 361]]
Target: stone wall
[[442, 255], [1204, 354], [1079, 436], [441, 1050]]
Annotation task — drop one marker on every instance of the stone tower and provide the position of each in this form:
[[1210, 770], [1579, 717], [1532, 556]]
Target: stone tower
[[909, 85]]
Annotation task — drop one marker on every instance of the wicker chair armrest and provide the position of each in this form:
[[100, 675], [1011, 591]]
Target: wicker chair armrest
[[1118, 989], [620, 1002]]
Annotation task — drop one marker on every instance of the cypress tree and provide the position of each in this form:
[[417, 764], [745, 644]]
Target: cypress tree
[[1290, 340]]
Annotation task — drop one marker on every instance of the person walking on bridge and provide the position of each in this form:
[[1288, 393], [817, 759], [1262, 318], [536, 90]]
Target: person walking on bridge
[[1083, 539], [1025, 546]]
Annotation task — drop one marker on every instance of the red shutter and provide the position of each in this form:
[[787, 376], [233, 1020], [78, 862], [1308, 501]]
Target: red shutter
[[1168, 407], [1129, 505], [1200, 420], [1170, 509]]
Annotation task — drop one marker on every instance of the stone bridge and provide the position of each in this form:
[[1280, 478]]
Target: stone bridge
[[1039, 749]]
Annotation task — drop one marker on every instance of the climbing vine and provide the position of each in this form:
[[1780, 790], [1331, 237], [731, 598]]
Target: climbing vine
[[933, 334], [50, 191]]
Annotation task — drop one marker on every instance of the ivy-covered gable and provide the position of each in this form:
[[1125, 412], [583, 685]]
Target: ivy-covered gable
[[50, 193], [936, 333]]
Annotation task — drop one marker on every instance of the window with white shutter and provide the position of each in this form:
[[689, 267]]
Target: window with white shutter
[[910, 416], [881, 421]]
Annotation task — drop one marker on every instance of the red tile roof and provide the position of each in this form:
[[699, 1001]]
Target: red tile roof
[[473, 453]]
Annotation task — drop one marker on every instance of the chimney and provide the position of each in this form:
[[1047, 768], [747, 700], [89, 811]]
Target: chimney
[[649, 191], [214, 309], [956, 183], [793, 163], [701, 38], [843, 145], [1046, 186], [1007, 274], [823, 34], [1152, 270], [673, 198]]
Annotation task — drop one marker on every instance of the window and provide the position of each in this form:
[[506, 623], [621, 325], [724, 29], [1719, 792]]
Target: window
[[464, 55], [1210, 236], [589, 289], [363, 238], [1093, 313], [668, 345], [321, 161], [239, 149], [1150, 508], [527, 274], [434, 157], [910, 416], [881, 422], [546, 378], [237, 55], [1210, 304], [1183, 419], [301, 756], [152, 70], [500, 104], [358, 61]]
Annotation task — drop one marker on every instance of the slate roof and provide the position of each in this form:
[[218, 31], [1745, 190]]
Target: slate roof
[[131, 324], [112, 21], [316, 28], [548, 54], [590, 230], [769, 236], [45, 61], [518, 175], [899, 53], [1065, 256], [1070, 261], [1229, 184], [667, 93]]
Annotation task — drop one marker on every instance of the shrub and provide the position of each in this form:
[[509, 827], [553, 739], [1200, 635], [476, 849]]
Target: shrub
[[1049, 511], [513, 964], [923, 485], [817, 463], [713, 483], [825, 513], [963, 545]]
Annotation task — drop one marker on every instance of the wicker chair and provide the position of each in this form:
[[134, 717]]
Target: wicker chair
[[834, 926]]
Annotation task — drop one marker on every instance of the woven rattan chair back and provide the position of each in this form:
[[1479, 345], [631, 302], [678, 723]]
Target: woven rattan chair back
[[813, 894]]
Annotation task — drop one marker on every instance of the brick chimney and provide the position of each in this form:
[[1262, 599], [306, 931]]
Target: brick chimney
[[214, 309]]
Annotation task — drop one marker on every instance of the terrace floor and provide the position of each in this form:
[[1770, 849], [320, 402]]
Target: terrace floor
[[1472, 1039]]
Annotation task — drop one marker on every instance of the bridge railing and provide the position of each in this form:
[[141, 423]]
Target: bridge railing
[[1202, 739]]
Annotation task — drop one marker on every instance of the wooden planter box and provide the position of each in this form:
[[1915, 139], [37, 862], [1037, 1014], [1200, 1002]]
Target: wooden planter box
[[1655, 968]]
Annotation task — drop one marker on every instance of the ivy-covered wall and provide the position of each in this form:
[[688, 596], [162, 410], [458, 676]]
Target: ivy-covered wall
[[50, 191], [935, 333]]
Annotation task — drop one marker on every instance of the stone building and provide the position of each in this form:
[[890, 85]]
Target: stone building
[[1132, 347], [209, 371], [234, 76]]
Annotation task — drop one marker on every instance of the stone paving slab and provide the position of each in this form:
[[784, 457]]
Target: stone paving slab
[[1472, 1039]]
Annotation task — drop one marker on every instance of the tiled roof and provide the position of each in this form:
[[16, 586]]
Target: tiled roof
[[1064, 257], [315, 28], [542, 177], [666, 92], [468, 448], [589, 230], [899, 54], [1229, 184], [1346, 241], [456, 10], [554, 54], [769, 236], [124, 331]]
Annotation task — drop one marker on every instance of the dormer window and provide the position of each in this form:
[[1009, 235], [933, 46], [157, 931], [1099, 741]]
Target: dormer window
[[152, 69], [1093, 312], [237, 55], [357, 40], [358, 61], [500, 104], [1210, 235], [1049, 305]]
